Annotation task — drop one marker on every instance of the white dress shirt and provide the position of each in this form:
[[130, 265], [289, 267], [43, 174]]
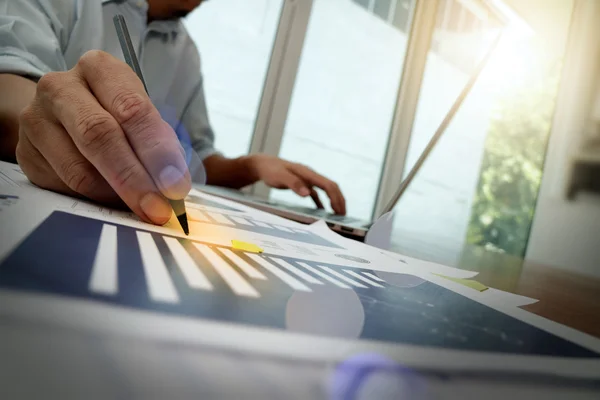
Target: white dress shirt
[[40, 36]]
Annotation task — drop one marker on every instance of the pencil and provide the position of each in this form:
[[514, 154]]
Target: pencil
[[131, 59]]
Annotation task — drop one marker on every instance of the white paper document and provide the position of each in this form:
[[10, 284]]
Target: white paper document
[[295, 291]]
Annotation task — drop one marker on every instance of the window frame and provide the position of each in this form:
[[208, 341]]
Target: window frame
[[281, 77]]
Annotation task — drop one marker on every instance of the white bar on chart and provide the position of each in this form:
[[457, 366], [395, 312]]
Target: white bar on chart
[[197, 215], [220, 218], [261, 224], [362, 278], [283, 228], [290, 280], [324, 276], [192, 273], [342, 277], [104, 278], [236, 282], [241, 220], [308, 278], [244, 266], [160, 285], [373, 276]]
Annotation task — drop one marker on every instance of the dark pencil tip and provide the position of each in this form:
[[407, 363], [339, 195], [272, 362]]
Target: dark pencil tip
[[184, 223]]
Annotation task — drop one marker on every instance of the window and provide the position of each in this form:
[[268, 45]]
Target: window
[[432, 218], [365, 3], [460, 33], [395, 12], [381, 8], [235, 39], [401, 15], [344, 100], [479, 185]]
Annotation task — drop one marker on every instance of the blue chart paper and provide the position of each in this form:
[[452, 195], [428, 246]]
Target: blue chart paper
[[157, 273]]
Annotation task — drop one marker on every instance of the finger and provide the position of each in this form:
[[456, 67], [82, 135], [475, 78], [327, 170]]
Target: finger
[[287, 179], [37, 170], [122, 94], [315, 196], [99, 138], [338, 203], [56, 147]]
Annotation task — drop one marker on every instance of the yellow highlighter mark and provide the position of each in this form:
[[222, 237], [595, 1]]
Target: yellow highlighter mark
[[480, 287], [244, 246]]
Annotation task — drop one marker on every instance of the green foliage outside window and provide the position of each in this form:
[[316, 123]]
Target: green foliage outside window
[[513, 161]]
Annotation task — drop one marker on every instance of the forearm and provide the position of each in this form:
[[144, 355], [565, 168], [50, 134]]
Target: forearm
[[230, 172], [16, 93]]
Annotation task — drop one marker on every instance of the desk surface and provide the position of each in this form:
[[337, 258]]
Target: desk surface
[[564, 297]]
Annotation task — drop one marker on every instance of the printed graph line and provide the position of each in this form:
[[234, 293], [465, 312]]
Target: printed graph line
[[193, 275], [160, 285], [236, 282], [362, 278], [343, 277], [197, 215], [242, 264], [220, 218], [324, 276], [262, 224], [290, 280], [241, 220], [303, 275], [283, 228], [104, 278], [373, 276]]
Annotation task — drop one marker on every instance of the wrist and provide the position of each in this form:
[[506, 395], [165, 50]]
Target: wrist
[[249, 165]]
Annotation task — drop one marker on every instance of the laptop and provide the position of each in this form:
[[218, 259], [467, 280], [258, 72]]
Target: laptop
[[346, 225]]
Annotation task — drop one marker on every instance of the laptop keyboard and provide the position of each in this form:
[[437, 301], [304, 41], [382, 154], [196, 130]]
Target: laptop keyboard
[[320, 213]]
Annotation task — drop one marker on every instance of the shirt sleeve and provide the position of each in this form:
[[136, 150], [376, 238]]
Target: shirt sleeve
[[32, 36], [196, 122]]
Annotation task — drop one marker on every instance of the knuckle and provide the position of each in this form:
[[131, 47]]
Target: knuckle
[[296, 183], [55, 86], [330, 186], [21, 153], [31, 167], [26, 116], [131, 108], [126, 175], [50, 82], [92, 58], [32, 120], [97, 131], [78, 176]]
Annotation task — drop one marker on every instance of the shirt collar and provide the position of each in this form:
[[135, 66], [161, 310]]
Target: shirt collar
[[168, 27]]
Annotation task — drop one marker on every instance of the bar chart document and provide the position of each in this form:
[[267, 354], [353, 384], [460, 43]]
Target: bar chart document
[[306, 295]]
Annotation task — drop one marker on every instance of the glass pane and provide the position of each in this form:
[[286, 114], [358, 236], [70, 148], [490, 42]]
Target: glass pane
[[479, 185], [343, 100], [402, 12], [235, 39], [364, 3], [381, 8]]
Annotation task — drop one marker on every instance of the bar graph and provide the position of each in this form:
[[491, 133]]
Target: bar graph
[[127, 267], [247, 223]]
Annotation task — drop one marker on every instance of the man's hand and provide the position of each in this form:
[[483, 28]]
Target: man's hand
[[93, 132], [275, 172], [281, 174]]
